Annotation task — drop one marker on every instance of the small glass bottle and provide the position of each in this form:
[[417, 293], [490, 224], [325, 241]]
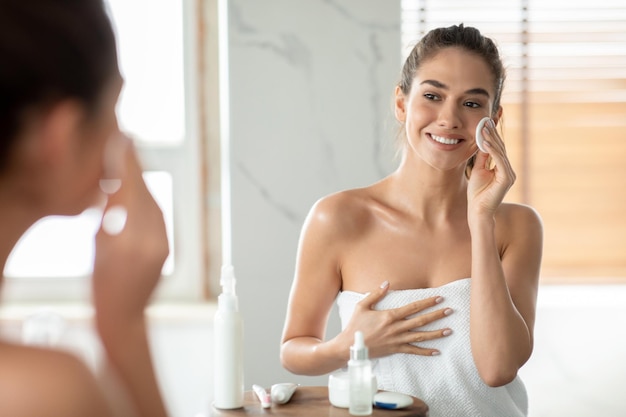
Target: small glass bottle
[[360, 375]]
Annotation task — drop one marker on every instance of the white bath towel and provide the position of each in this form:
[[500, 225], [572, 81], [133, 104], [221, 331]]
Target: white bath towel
[[449, 383]]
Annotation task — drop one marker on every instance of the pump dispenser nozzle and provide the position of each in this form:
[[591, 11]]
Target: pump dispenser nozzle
[[227, 300], [227, 279]]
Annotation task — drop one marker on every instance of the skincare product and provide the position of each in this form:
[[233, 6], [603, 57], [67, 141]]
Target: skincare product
[[339, 388], [282, 393], [262, 395], [392, 400], [360, 376], [228, 346]]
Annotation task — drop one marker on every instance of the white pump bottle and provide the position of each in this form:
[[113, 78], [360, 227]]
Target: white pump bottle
[[228, 346]]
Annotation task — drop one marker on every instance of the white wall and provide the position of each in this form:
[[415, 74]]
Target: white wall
[[578, 367]]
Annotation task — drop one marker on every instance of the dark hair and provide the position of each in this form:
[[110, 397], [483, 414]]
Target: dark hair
[[51, 50], [467, 38]]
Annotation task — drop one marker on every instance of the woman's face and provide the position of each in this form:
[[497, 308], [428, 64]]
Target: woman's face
[[78, 175], [450, 93], [99, 130]]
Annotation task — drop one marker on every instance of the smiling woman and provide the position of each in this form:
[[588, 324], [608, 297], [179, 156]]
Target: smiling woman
[[452, 321]]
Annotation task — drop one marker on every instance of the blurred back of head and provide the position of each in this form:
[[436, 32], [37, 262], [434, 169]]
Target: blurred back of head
[[51, 50]]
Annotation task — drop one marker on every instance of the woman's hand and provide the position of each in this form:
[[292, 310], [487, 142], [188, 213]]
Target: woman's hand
[[488, 185], [130, 252], [128, 262], [391, 331]]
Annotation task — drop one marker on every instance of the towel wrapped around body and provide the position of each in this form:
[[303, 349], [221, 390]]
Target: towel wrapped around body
[[449, 383]]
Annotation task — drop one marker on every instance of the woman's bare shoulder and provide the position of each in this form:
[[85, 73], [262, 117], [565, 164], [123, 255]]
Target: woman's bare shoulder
[[515, 215], [43, 382], [344, 211], [519, 224]]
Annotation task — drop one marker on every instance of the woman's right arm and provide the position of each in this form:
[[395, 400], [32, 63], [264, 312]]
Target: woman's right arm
[[127, 269], [316, 284]]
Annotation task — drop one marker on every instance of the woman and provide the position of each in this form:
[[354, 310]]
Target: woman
[[59, 84], [435, 333]]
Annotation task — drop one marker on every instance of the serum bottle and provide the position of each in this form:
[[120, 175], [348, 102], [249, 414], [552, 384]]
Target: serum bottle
[[360, 375], [228, 346]]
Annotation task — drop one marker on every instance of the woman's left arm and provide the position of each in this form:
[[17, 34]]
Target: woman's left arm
[[506, 258]]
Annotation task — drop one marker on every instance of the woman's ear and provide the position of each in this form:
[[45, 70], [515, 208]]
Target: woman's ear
[[496, 118], [59, 127], [400, 105]]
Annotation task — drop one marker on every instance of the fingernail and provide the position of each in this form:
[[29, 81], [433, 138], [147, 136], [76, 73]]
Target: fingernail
[[448, 311], [491, 123], [384, 285], [114, 220], [366, 294], [447, 332], [438, 300], [434, 353]]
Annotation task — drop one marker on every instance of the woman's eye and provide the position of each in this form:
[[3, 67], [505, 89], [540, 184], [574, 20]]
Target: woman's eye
[[472, 104], [431, 96]]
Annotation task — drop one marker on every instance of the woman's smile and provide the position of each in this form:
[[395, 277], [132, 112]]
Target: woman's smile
[[444, 140]]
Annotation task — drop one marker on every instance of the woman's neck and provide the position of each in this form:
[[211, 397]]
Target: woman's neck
[[427, 192], [14, 221]]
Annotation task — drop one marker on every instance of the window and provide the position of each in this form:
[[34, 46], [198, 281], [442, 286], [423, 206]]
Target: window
[[158, 107], [564, 119]]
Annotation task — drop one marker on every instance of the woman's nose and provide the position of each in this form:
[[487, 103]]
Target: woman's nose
[[448, 116]]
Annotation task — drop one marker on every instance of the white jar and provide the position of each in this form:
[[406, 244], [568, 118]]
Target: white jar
[[339, 388]]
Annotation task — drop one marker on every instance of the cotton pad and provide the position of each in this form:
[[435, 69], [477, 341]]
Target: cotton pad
[[479, 134]]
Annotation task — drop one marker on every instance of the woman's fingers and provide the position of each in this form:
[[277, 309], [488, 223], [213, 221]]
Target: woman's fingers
[[424, 319], [413, 342], [416, 307], [375, 296], [497, 147], [492, 175], [131, 245]]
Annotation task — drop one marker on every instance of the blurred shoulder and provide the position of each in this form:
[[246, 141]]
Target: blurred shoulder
[[43, 382]]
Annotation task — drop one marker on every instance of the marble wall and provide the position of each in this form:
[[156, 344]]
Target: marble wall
[[311, 86]]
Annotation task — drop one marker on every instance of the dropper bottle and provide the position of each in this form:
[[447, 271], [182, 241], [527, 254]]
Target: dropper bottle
[[360, 376], [228, 346]]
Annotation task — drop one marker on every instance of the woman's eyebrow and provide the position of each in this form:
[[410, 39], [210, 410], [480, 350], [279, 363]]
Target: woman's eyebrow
[[480, 91], [439, 84], [435, 83]]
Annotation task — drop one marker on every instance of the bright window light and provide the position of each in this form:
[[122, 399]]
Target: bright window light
[[63, 247], [151, 59]]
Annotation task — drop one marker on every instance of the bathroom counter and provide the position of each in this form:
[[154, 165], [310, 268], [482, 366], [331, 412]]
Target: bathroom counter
[[313, 402]]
